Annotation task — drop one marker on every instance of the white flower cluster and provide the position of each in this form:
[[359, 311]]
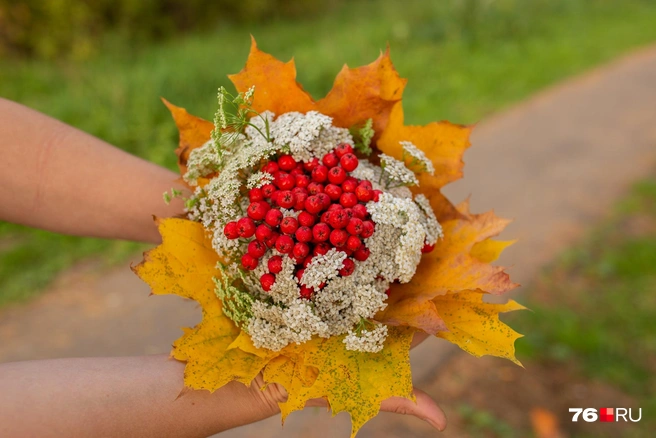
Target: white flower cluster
[[429, 221], [274, 327], [323, 268], [399, 220], [397, 172], [339, 304], [258, 179], [418, 156], [308, 135], [370, 341], [202, 161], [336, 309]]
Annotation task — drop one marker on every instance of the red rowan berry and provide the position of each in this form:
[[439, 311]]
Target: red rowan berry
[[306, 219], [230, 230], [349, 185], [353, 243], [268, 190], [333, 191], [246, 227], [263, 232], [349, 162], [306, 292], [324, 200], [321, 232], [284, 181], [256, 248], [267, 280], [289, 225], [321, 248], [302, 180], [271, 167], [284, 244], [286, 162], [257, 210], [275, 264], [273, 217], [330, 160], [313, 204], [303, 234], [255, 194], [368, 229], [300, 251], [338, 219], [360, 211], [271, 240], [363, 193], [310, 165], [347, 268], [361, 254], [343, 149], [337, 175], [348, 200], [248, 262], [355, 226], [338, 238], [285, 199], [320, 174], [427, 248], [314, 188]]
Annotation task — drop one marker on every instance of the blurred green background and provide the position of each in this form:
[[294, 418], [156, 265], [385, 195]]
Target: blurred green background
[[102, 66]]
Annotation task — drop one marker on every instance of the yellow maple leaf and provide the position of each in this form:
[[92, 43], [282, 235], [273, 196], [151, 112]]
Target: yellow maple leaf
[[474, 325], [352, 381], [444, 298]]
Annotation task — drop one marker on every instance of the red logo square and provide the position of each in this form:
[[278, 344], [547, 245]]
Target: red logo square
[[607, 414]]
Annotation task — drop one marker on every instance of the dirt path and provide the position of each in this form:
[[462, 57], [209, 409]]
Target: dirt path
[[554, 163]]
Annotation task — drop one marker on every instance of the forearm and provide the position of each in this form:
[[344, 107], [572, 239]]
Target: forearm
[[130, 396], [61, 179]]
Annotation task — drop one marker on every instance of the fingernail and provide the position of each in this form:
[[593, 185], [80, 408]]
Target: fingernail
[[433, 423]]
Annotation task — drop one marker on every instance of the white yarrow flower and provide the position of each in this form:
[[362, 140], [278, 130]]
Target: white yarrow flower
[[418, 157], [397, 172]]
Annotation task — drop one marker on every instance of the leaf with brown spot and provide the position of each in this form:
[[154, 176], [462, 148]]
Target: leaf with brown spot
[[194, 132], [356, 382]]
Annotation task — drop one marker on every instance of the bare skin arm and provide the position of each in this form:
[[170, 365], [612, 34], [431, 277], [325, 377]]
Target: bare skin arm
[[138, 396], [61, 179]]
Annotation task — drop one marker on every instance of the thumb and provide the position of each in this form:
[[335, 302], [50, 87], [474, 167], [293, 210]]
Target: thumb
[[425, 409]]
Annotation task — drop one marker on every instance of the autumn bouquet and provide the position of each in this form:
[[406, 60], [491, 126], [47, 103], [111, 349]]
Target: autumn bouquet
[[317, 241]]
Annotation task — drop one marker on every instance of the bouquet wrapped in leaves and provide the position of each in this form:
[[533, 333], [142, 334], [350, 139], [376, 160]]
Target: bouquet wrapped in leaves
[[317, 241]]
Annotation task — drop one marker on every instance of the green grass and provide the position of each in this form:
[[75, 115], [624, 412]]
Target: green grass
[[595, 307], [482, 423], [464, 59]]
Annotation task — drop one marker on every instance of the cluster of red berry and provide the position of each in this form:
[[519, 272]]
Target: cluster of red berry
[[332, 214]]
